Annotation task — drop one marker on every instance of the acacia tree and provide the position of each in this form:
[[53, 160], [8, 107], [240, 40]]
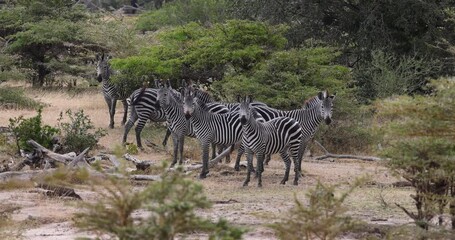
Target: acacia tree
[[49, 37], [419, 136]]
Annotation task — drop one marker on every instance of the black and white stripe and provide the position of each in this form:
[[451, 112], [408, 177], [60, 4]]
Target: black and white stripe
[[210, 128], [314, 111], [279, 135], [111, 92], [144, 106]]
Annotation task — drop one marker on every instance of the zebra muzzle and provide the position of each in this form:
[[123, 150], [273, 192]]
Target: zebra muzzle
[[328, 121], [99, 78], [243, 120]]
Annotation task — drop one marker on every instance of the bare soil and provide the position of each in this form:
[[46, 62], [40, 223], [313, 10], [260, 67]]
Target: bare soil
[[251, 207]]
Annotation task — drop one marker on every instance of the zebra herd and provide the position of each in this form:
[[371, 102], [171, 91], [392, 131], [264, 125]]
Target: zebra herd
[[254, 127]]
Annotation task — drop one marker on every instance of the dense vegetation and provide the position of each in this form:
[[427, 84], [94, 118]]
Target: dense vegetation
[[378, 56]]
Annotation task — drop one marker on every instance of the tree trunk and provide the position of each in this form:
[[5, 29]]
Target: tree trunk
[[42, 72]]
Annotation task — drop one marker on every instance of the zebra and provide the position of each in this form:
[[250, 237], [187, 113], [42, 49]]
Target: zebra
[[220, 129], [314, 111], [111, 92], [144, 106], [171, 102], [280, 135]]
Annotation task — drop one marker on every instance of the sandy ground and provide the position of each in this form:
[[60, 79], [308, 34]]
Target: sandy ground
[[250, 207]]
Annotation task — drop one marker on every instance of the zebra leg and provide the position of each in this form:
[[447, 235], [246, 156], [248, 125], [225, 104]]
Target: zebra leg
[[213, 150], [166, 137], [287, 161], [260, 167], [181, 143], [249, 159], [125, 111], [267, 158], [228, 157], [175, 141], [138, 129], [110, 105], [239, 156], [295, 152], [303, 146], [129, 124], [112, 112], [205, 160]]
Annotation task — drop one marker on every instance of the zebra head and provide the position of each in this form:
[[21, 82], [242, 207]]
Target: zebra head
[[163, 95], [103, 70], [189, 102], [326, 105], [244, 109]]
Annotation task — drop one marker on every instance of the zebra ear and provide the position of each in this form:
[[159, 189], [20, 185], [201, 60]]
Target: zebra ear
[[183, 83], [238, 98], [333, 96], [157, 83], [168, 83], [250, 98]]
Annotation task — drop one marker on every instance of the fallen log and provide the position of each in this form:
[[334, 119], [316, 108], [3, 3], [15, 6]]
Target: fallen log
[[327, 154], [58, 191], [140, 164], [23, 175], [145, 177], [50, 154]]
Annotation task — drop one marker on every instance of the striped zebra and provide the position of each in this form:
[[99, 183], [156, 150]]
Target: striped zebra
[[314, 111], [210, 128], [111, 92], [171, 102], [279, 135], [144, 106]]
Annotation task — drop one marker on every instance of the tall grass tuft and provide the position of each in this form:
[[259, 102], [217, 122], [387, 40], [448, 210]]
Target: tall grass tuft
[[167, 206], [14, 98]]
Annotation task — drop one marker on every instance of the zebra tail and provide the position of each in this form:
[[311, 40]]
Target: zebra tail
[[141, 93]]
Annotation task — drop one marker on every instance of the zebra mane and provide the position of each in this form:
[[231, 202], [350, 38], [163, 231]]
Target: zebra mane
[[306, 103]]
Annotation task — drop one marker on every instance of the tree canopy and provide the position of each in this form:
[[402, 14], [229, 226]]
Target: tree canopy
[[49, 36]]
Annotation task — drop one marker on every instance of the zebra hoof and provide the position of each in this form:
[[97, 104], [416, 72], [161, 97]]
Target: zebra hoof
[[259, 185], [245, 184], [203, 175], [237, 168], [283, 182], [296, 183]]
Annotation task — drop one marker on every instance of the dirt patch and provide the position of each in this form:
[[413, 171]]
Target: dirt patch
[[250, 207]]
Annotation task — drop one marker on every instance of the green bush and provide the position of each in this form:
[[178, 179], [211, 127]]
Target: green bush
[[181, 12], [25, 129], [15, 98], [419, 139], [195, 52], [287, 78], [170, 205], [323, 218], [79, 133], [386, 74]]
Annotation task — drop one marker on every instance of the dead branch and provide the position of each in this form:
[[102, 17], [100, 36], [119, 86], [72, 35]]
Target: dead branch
[[23, 175], [410, 214], [145, 177], [327, 154], [226, 201], [79, 160], [58, 191], [140, 164], [50, 154]]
